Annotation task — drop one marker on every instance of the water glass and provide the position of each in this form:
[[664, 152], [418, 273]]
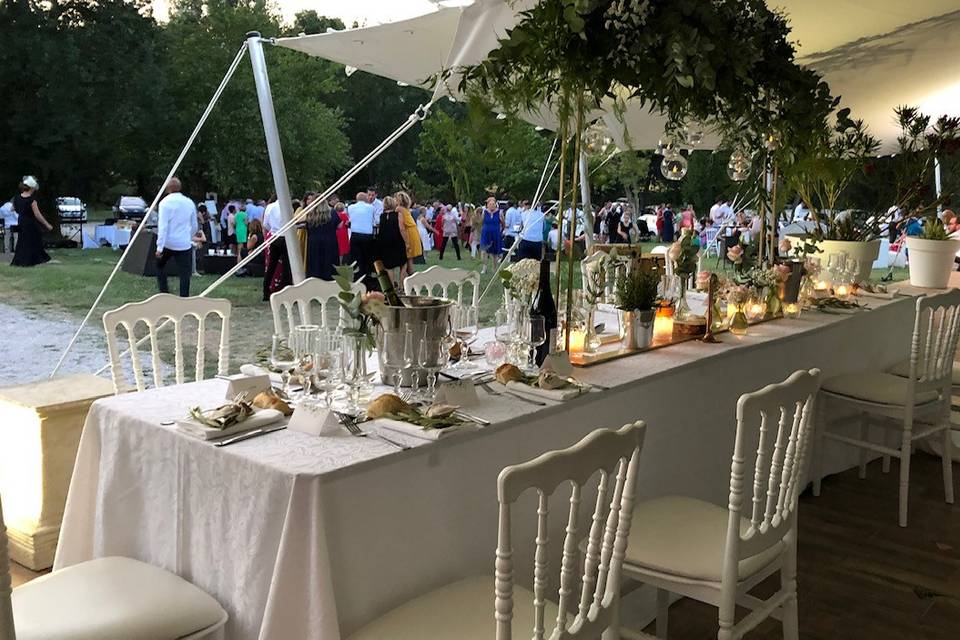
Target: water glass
[[432, 356], [329, 363], [533, 334], [466, 325], [282, 359]]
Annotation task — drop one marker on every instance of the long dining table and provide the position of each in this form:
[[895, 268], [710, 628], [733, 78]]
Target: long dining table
[[304, 536]]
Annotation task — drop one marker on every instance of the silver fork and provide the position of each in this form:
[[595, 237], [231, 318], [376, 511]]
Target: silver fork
[[351, 424]]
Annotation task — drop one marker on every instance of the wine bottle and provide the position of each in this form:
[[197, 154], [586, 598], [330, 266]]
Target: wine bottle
[[543, 305], [386, 285]]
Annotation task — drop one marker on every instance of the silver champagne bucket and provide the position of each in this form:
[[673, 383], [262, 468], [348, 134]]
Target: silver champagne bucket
[[432, 313]]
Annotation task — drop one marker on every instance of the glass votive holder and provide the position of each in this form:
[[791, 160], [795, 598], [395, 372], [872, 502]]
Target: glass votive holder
[[791, 310], [755, 309]]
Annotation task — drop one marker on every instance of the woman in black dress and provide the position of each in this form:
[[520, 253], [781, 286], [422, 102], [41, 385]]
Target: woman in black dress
[[323, 252], [29, 251], [391, 245]]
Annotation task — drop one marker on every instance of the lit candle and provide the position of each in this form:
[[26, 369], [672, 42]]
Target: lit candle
[[663, 327], [755, 310], [791, 310], [578, 341], [843, 291], [821, 285]]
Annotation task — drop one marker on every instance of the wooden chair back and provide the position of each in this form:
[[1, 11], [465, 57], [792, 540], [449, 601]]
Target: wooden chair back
[[153, 312], [294, 304], [440, 281], [781, 414], [614, 455], [936, 329]]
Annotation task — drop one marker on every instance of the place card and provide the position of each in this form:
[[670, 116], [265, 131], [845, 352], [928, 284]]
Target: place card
[[249, 385], [314, 420], [558, 363], [461, 393]]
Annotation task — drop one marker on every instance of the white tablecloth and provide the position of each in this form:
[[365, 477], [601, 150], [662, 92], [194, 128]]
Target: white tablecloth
[[113, 235], [303, 537]]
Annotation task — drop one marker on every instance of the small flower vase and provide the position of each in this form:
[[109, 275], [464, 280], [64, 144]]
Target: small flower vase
[[718, 317], [739, 322], [592, 341], [355, 352], [681, 310]]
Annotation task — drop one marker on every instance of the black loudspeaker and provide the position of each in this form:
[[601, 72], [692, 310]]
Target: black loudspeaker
[[141, 257]]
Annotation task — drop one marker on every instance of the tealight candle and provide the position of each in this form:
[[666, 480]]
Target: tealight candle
[[755, 310], [663, 325], [578, 341], [842, 291], [791, 310], [821, 285]]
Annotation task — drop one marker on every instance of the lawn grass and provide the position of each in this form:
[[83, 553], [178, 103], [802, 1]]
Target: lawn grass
[[71, 281]]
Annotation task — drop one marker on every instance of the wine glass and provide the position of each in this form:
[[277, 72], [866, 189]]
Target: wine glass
[[533, 334], [329, 355], [393, 348], [413, 336], [505, 331], [305, 347], [466, 326], [281, 359], [432, 356]]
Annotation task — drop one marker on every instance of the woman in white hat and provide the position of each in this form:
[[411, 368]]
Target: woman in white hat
[[29, 249]]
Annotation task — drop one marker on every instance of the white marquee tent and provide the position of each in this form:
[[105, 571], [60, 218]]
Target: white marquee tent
[[876, 54]]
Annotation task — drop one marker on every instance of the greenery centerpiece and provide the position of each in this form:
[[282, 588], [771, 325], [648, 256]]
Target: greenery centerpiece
[[684, 255], [922, 145], [572, 57], [364, 313], [637, 297]]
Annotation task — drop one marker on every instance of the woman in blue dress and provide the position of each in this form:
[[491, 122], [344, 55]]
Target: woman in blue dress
[[491, 236]]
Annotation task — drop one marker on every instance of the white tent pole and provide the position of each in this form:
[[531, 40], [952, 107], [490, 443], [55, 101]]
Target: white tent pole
[[585, 201], [415, 117], [275, 151], [938, 181], [153, 205]]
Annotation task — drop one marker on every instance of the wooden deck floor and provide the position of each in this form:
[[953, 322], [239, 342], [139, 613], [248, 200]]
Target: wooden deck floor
[[861, 576]]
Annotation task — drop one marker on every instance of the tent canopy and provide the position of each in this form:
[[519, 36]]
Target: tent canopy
[[875, 54]]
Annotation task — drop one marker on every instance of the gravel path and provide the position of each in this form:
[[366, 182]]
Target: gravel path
[[32, 342]]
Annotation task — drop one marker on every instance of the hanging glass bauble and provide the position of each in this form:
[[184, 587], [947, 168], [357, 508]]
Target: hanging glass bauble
[[738, 169], [595, 138], [694, 136], [674, 165]]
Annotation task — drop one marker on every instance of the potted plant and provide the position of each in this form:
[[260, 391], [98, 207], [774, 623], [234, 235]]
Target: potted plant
[[637, 300], [819, 175], [930, 254]]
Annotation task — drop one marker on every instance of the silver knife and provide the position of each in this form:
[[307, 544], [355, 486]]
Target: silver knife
[[471, 418], [248, 435]]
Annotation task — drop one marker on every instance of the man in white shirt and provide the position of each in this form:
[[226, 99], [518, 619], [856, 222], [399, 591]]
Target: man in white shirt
[[10, 220], [362, 220], [726, 212], [376, 203], [799, 212], [177, 230], [715, 212], [272, 219], [513, 222], [531, 235]]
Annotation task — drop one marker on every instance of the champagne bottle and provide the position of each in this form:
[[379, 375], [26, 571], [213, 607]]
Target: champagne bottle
[[386, 285], [543, 305]]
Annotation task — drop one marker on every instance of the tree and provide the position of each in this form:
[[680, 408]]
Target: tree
[[706, 180]]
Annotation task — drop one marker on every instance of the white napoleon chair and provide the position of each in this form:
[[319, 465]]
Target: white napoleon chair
[[661, 250], [154, 312], [442, 280], [912, 399], [293, 305], [463, 610], [718, 555], [105, 599]]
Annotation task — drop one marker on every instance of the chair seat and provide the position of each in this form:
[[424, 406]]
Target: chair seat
[[686, 537], [902, 369], [876, 387], [112, 599], [463, 610]]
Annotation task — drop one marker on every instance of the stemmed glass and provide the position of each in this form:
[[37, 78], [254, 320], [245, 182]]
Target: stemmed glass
[[281, 359], [329, 355], [305, 347], [397, 350], [505, 332], [466, 326], [533, 334], [413, 336], [432, 356]]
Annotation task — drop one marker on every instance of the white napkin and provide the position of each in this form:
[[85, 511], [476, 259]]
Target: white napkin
[[257, 370], [260, 418], [416, 431], [557, 395]]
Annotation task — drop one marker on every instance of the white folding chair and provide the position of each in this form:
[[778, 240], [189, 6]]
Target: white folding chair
[[913, 392], [292, 304], [153, 312], [462, 610], [710, 242], [105, 599], [444, 279], [716, 555]]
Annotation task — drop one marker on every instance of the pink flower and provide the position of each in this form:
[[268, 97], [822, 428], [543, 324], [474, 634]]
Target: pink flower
[[785, 246], [735, 254], [703, 280], [783, 272]]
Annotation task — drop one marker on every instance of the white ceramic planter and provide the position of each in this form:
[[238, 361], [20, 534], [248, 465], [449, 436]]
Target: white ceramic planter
[[931, 262], [865, 253]]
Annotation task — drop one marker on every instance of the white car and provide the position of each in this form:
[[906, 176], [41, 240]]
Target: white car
[[71, 209]]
